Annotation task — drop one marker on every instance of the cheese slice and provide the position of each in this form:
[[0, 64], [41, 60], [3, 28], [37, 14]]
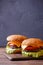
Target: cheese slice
[[17, 43]]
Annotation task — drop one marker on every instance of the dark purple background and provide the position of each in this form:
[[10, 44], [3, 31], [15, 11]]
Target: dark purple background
[[21, 17]]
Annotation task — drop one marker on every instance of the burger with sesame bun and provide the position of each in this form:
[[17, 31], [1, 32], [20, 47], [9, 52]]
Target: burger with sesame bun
[[14, 43], [32, 47]]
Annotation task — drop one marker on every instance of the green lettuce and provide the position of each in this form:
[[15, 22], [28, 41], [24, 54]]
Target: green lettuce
[[10, 50], [33, 54]]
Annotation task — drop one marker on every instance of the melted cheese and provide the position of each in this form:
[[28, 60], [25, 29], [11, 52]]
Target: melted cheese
[[17, 43]]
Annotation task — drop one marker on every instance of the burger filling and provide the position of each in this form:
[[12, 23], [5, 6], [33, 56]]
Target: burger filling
[[12, 48], [33, 51]]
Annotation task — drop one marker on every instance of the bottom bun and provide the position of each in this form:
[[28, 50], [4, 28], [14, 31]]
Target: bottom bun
[[12, 51], [33, 54]]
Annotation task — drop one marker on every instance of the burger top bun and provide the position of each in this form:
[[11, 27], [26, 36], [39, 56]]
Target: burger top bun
[[32, 42], [16, 37]]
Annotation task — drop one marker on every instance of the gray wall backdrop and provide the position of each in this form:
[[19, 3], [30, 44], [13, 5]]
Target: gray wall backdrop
[[21, 17]]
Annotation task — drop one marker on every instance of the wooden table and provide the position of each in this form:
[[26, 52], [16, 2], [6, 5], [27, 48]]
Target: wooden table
[[5, 61]]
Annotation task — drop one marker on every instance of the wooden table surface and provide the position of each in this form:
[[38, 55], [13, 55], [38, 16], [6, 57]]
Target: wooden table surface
[[5, 61]]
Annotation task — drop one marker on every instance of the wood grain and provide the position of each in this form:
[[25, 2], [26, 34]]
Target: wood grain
[[5, 61]]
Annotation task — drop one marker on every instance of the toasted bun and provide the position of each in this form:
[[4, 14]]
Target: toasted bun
[[16, 37], [32, 42]]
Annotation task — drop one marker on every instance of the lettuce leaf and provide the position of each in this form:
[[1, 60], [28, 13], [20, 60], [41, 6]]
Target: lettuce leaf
[[10, 50], [33, 54]]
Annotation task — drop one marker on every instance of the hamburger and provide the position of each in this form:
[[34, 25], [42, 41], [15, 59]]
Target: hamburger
[[32, 47], [14, 43]]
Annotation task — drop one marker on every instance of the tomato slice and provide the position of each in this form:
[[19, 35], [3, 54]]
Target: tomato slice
[[31, 48]]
